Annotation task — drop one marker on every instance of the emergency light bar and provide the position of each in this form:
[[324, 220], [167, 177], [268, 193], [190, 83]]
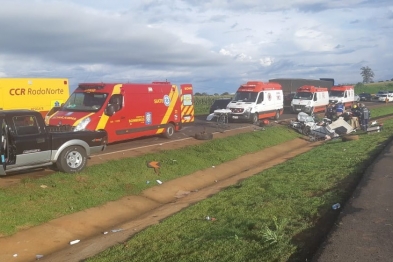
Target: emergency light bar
[[90, 86]]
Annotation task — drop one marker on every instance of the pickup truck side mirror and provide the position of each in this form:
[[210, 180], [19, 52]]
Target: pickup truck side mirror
[[110, 110]]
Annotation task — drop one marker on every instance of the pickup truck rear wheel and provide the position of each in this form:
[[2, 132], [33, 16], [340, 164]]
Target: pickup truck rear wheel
[[169, 131], [73, 159]]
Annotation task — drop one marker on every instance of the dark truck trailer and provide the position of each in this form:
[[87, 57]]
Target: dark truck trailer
[[27, 143], [290, 85]]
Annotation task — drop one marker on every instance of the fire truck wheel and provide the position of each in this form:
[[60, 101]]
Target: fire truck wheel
[[203, 136], [169, 131], [72, 159], [277, 116]]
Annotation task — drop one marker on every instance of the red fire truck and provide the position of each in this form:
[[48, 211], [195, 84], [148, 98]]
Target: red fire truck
[[127, 111]]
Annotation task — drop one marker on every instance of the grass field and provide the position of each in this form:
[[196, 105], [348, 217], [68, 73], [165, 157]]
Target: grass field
[[272, 216]]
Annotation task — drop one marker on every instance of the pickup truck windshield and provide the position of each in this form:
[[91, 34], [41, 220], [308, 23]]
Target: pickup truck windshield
[[337, 93], [86, 102], [303, 95], [245, 96]]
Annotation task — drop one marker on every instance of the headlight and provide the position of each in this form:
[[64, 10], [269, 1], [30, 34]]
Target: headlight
[[248, 109], [82, 125]]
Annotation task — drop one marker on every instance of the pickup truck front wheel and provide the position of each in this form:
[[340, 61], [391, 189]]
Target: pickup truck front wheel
[[73, 159]]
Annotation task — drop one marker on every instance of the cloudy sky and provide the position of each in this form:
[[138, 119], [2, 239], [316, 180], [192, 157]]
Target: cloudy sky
[[215, 45]]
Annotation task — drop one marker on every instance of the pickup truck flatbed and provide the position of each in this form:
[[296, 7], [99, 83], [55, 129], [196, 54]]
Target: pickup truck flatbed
[[26, 143]]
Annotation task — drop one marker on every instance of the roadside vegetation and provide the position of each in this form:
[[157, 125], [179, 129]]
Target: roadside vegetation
[[373, 88], [203, 103], [36, 201], [279, 214]]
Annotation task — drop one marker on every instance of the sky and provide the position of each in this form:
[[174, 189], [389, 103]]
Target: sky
[[215, 45]]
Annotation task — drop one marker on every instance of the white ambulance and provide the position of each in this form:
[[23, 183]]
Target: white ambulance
[[344, 94], [310, 99], [256, 100]]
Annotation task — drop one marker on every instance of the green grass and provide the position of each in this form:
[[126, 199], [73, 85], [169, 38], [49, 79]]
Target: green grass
[[272, 216], [27, 204], [373, 88]]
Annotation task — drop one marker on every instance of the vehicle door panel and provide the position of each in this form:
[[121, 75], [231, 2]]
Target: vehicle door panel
[[30, 141]]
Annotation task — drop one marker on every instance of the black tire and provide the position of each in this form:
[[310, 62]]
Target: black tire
[[72, 159], [204, 136], [169, 131], [255, 118], [277, 116]]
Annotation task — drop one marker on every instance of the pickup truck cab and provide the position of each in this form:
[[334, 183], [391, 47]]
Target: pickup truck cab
[[26, 143]]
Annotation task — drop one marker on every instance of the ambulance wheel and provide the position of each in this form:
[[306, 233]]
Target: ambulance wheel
[[169, 131], [255, 118], [277, 116], [73, 159]]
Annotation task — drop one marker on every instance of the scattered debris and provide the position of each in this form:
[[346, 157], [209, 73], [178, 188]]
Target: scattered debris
[[73, 242], [210, 218], [43, 186], [159, 181], [116, 230], [39, 256], [213, 166], [15, 255], [336, 206], [105, 232], [156, 165], [147, 182]]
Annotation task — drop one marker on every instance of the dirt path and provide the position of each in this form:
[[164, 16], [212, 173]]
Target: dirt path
[[134, 213]]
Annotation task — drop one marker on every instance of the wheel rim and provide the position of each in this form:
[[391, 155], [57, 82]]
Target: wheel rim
[[74, 159], [170, 131], [255, 120]]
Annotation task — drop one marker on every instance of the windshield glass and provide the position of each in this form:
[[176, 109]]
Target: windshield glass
[[303, 95], [86, 102], [337, 93], [245, 96]]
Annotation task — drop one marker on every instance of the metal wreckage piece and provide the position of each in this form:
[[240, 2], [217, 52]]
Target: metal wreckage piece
[[326, 129]]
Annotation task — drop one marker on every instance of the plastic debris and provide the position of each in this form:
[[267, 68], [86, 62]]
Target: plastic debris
[[116, 230], [208, 218], [336, 206], [15, 255], [155, 165], [213, 166], [43, 186], [159, 181], [105, 232], [39, 256], [147, 182], [73, 242]]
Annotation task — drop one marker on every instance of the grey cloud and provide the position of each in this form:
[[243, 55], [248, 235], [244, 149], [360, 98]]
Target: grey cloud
[[52, 35]]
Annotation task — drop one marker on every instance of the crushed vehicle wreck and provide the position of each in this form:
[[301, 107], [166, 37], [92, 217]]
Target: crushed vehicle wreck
[[324, 129]]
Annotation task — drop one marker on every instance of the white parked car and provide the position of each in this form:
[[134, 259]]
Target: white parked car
[[384, 97], [357, 98]]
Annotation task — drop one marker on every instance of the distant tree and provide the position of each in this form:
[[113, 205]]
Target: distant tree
[[204, 94], [367, 74], [225, 94], [197, 94], [216, 94], [391, 79]]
